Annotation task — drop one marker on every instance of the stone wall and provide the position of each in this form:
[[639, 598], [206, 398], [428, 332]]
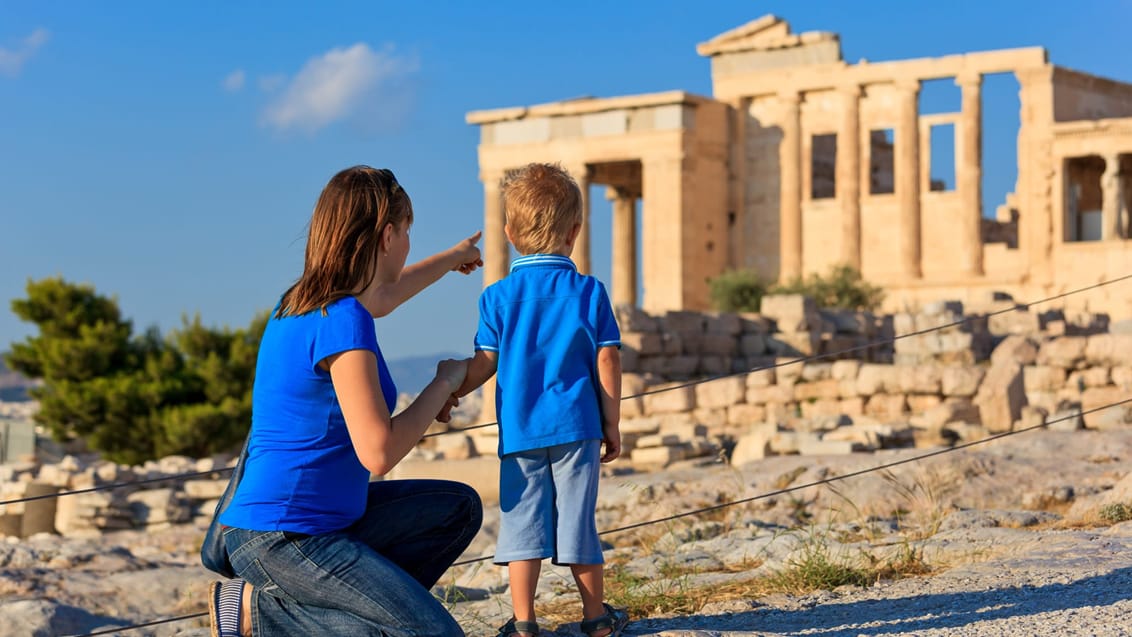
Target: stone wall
[[985, 372], [989, 371], [152, 506]]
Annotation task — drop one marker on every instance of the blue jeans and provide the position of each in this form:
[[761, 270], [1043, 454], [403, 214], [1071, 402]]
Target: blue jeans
[[372, 578]]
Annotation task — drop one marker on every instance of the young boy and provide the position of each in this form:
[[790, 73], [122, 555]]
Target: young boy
[[550, 334]]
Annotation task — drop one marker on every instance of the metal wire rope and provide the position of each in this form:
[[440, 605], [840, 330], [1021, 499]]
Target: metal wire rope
[[793, 361], [715, 507]]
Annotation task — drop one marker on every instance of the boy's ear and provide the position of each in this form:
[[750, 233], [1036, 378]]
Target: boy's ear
[[573, 236], [507, 231]]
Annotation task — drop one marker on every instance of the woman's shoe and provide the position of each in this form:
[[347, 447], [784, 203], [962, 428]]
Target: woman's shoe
[[225, 605]]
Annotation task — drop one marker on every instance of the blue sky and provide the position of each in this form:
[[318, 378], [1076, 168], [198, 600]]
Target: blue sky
[[169, 153]]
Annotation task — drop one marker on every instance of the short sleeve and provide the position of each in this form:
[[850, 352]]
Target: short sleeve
[[487, 332], [608, 334], [346, 326]]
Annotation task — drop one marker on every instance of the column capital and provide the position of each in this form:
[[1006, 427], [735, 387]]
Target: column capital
[[911, 85], [850, 90], [488, 176], [790, 98], [578, 169], [969, 79]]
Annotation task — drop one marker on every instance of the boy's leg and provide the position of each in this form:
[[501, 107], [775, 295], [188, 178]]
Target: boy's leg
[[577, 470], [526, 524], [423, 526], [523, 576], [588, 577]]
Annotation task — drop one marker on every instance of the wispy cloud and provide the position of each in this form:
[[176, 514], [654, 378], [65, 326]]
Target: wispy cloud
[[12, 60], [235, 81], [355, 84]]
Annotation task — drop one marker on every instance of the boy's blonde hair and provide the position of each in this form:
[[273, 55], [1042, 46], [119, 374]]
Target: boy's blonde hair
[[543, 204]]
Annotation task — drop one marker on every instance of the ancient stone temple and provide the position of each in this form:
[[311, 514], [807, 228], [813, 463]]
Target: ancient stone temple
[[800, 161]]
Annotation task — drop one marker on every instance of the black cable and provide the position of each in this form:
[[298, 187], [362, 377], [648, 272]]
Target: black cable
[[853, 474], [715, 507], [794, 361]]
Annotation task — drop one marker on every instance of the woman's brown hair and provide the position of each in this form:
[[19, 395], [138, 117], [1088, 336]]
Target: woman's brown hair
[[346, 228]]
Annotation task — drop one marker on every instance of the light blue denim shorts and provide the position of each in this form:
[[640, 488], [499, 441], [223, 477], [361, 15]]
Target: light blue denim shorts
[[547, 497]]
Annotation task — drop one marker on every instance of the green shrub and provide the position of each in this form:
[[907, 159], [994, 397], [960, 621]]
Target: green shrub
[[737, 291], [841, 288], [133, 398], [1116, 512]]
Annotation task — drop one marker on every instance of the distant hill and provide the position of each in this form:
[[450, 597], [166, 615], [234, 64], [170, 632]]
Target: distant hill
[[411, 374], [13, 386]]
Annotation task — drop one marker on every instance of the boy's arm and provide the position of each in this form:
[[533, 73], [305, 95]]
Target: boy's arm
[[609, 378], [480, 368]]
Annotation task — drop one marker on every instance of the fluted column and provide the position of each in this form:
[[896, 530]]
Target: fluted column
[[970, 175], [581, 253], [496, 252], [1111, 198], [624, 246], [790, 190], [908, 177], [849, 176]]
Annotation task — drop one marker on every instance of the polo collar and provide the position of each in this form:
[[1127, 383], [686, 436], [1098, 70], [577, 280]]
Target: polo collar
[[550, 260]]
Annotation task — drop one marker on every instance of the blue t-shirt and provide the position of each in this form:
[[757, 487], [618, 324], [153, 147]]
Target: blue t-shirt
[[546, 321], [302, 474]]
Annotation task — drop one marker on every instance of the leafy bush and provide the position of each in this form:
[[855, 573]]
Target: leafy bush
[[737, 291], [1115, 513], [841, 288], [130, 397]]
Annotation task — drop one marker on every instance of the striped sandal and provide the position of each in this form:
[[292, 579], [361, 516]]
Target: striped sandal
[[614, 620], [225, 605]]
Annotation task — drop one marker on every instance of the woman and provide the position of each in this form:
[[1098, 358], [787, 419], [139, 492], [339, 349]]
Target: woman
[[319, 549]]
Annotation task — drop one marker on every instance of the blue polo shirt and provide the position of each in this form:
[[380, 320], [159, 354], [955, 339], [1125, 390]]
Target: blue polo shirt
[[302, 473], [546, 321]]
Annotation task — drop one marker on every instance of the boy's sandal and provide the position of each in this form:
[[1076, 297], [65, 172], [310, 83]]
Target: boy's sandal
[[518, 626], [614, 619]]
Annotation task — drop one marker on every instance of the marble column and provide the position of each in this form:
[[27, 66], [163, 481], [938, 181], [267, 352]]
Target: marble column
[[970, 175], [908, 177], [624, 246], [581, 253], [496, 250], [790, 190], [849, 176], [1111, 198]]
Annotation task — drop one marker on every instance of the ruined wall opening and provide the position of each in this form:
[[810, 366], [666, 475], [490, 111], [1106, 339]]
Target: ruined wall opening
[[941, 162], [940, 96], [823, 166], [1001, 123], [1083, 198], [1126, 195], [882, 171]]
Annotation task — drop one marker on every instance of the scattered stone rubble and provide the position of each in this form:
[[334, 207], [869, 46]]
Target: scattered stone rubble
[[996, 368]]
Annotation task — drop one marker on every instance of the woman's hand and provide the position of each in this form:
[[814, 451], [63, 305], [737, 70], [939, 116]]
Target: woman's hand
[[452, 372], [445, 414], [467, 254]]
